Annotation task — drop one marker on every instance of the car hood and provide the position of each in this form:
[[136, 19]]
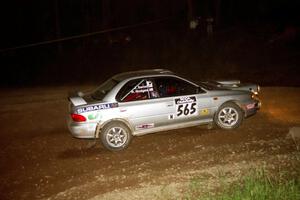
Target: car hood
[[230, 85]]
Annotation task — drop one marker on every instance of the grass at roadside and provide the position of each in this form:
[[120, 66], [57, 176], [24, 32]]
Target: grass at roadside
[[258, 184]]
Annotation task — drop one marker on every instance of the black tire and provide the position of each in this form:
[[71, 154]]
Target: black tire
[[115, 136], [229, 116]]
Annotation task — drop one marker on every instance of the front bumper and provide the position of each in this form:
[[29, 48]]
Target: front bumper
[[252, 107], [82, 129]]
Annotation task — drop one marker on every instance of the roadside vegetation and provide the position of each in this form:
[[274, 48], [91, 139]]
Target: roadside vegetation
[[258, 184]]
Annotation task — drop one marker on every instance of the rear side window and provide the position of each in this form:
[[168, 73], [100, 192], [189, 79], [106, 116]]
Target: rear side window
[[138, 89], [103, 89]]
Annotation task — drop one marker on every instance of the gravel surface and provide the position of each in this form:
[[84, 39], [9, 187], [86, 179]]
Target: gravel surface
[[40, 160]]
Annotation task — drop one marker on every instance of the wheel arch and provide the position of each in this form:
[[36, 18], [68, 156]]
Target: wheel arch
[[100, 126], [239, 104]]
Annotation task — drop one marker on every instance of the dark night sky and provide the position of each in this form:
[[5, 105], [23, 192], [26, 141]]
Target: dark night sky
[[26, 22], [32, 21]]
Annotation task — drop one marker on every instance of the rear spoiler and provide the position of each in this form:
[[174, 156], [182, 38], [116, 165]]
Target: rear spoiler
[[229, 82], [76, 98]]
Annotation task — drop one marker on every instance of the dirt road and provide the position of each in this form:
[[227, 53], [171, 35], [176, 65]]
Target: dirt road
[[40, 160]]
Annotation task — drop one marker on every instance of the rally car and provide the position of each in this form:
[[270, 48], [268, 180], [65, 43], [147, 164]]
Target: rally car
[[141, 102]]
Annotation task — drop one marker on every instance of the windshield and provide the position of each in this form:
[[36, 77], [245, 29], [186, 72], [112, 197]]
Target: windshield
[[103, 89]]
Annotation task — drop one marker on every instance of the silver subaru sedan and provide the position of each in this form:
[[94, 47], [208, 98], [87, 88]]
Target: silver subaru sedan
[[141, 102]]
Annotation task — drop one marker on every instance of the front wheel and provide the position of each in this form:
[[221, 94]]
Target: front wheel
[[229, 116], [115, 136]]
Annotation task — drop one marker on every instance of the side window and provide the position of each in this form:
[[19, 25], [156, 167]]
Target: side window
[[170, 86], [139, 89]]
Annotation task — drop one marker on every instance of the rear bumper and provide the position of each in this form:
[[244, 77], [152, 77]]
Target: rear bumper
[[81, 129]]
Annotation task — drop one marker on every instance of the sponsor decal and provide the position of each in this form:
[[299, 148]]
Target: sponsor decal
[[186, 106], [204, 111], [144, 88], [96, 107], [144, 126], [171, 116], [184, 100], [250, 106], [93, 116]]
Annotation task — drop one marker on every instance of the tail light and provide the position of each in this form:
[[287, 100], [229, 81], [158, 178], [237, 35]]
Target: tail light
[[78, 118]]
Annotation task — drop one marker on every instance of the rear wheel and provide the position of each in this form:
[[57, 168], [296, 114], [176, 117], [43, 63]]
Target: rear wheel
[[115, 136], [229, 116]]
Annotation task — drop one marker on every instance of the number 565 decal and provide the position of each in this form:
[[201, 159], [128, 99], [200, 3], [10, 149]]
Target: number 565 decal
[[186, 106]]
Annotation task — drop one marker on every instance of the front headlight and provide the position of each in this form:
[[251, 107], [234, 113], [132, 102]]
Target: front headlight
[[254, 96]]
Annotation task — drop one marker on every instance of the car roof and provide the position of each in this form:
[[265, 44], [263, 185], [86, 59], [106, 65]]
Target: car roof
[[141, 73]]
